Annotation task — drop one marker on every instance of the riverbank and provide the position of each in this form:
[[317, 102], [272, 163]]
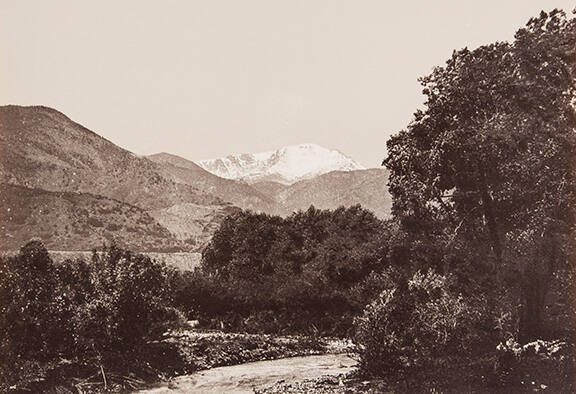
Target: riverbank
[[180, 352], [531, 373], [201, 350]]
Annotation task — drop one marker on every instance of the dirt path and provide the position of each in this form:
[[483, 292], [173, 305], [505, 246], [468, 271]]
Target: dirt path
[[243, 378]]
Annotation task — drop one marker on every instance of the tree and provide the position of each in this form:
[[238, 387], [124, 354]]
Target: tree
[[119, 301], [26, 292], [307, 264], [490, 160], [28, 334]]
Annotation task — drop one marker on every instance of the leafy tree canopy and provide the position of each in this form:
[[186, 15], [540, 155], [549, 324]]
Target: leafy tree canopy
[[490, 160]]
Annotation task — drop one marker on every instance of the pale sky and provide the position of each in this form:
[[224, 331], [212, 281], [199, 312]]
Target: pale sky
[[204, 79]]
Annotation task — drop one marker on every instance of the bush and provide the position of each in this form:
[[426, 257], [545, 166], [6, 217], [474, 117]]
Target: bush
[[27, 288], [88, 312], [121, 300], [412, 324], [94, 222], [535, 366]]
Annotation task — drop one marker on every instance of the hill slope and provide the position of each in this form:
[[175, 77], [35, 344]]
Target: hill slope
[[41, 148], [335, 189], [238, 193], [78, 221]]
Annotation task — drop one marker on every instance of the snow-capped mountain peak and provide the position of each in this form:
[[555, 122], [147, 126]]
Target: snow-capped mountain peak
[[285, 165]]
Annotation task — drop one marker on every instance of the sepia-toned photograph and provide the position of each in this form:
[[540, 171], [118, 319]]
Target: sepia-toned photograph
[[287, 196]]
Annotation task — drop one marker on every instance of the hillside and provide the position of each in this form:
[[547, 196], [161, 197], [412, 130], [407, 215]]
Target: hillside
[[238, 193], [78, 221], [338, 188], [40, 148], [285, 165], [270, 188]]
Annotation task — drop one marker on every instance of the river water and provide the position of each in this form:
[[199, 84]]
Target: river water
[[244, 378]]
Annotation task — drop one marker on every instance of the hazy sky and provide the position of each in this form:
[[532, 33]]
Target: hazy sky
[[207, 78]]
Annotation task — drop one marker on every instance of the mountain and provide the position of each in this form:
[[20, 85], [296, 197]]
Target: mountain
[[328, 191], [296, 177], [76, 190], [238, 193], [286, 165], [78, 221], [332, 190], [40, 148]]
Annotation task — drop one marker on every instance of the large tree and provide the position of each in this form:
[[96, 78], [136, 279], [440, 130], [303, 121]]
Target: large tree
[[490, 161]]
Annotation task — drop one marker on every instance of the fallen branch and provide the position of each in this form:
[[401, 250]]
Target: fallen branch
[[104, 377]]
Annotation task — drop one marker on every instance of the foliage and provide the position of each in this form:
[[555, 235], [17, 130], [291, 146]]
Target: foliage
[[525, 366], [118, 301], [485, 173], [27, 311], [409, 325], [88, 312], [298, 274]]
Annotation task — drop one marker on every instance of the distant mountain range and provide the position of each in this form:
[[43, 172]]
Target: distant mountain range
[[285, 165], [76, 190]]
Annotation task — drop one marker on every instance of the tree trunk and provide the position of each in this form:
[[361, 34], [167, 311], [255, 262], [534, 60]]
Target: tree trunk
[[535, 284], [487, 205], [531, 315]]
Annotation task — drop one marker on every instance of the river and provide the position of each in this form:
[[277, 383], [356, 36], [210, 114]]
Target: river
[[244, 378]]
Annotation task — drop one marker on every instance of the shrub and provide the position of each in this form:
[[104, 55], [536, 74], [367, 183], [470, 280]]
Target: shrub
[[535, 366], [26, 309], [413, 323], [113, 227], [125, 300], [94, 222], [88, 312]]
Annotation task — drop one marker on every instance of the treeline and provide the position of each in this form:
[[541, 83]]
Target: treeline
[[311, 272]]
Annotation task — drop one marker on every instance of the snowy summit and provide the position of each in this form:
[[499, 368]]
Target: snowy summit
[[285, 165]]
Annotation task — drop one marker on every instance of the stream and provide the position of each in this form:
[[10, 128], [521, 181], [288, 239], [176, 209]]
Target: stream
[[244, 378]]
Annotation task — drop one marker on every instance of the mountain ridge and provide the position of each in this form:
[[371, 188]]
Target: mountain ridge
[[285, 165], [41, 148], [236, 192]]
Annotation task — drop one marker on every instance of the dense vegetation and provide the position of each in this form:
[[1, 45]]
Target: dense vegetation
[[92, 314], [306, 273], [484, 192]]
